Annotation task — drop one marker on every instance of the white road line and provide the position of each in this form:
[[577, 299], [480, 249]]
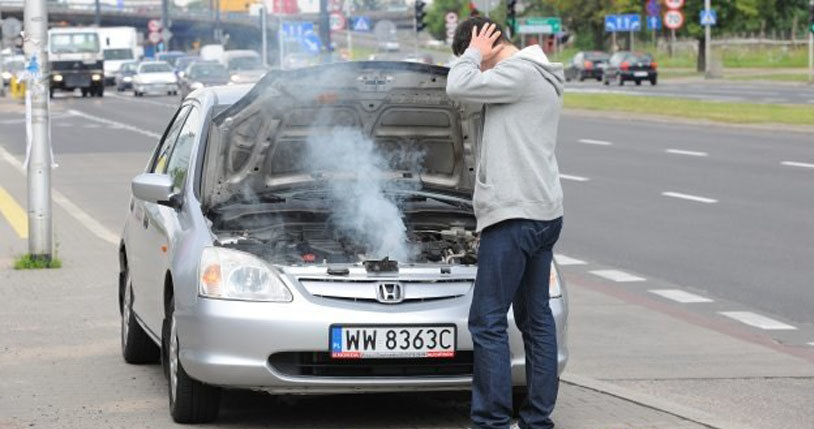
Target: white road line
[[75, 211], [617, 276], [679, 295], [811, 343], [686, 152], [574, 178], [567, 260], [690, 197], [797, 164], [595, 142], [756, 320], [121, 125]]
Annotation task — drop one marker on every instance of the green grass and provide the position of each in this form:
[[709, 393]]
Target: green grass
[[737, 113], [28, 262]]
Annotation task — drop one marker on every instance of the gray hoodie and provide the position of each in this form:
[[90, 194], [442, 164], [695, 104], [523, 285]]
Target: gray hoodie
[[517, 175]]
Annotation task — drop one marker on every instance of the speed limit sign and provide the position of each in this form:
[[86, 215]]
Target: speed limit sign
[[673, 19], [674, 4]]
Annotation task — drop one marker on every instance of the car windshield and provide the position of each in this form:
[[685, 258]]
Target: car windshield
[[170, 58], [118, 54], [74, 43], [596, 56], [155, 68], [244, 63], [183, 62], [640, 58], [208, 71], [129, 67]]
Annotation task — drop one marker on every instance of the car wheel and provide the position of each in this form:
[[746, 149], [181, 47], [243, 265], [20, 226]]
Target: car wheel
[[638, 82], [606, 82], [190, 400], [653, 81], [84, 92], [620, 81], [137, 347], [599, 79]]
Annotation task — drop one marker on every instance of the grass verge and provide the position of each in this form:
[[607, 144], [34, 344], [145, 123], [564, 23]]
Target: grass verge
[[734, 113], [777, 77], [28, 262]]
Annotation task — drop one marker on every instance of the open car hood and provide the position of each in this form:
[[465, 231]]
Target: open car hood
[[259, 142]]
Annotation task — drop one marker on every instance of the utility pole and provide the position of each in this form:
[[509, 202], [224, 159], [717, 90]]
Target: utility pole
[[165, 19], [811, 42], [2, 82], [97, 15], [325, 30], [39, 154], [218, 34], [264, 31], [348, 24], [707, 40]]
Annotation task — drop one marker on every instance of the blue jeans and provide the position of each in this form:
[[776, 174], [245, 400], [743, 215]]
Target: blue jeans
[[514, 264]]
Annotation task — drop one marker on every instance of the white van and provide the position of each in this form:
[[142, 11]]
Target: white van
[[119, 45]]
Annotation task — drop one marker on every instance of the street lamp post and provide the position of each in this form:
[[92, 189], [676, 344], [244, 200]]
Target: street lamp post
[[707, 40], [97, 14], [264, 31], [39, 153]]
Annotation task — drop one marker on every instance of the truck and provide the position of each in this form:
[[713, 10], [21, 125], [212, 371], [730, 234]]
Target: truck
[[76, 60], [119, 45]]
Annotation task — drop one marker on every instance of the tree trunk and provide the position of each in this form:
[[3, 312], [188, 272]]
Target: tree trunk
[[701, 65]]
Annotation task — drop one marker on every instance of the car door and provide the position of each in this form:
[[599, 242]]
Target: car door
[[148, 263]]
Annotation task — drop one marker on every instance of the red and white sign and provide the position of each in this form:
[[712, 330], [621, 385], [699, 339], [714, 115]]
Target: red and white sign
[[451, 20], [337, 21], [674, 4], [154, 25], [154, 38], [673, 19]]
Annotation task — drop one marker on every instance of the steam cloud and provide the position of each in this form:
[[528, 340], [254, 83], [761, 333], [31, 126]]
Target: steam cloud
[[362, 209]]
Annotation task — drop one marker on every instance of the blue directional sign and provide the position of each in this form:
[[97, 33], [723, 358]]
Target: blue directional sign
[[653, 8], [710, 18], [361, 24], [618, 23], [310, 43], [294, 30], [654, 23]]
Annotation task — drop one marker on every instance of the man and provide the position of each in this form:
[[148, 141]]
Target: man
[[518, 205]]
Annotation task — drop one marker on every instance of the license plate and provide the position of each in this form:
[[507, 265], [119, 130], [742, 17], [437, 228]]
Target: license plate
[[390, 342], [640, 74]]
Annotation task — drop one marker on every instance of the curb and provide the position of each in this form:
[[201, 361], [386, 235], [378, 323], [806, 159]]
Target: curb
[[664, 406]]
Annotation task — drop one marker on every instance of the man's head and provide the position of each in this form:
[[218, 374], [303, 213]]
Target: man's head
[[463, 35]]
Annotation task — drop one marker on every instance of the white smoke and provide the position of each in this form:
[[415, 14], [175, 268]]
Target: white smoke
[[362, 210]]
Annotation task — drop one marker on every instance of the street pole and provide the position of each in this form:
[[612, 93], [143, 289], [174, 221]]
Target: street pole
[[97, 15], [280, 40], [39, 152], [2, 82], [348, 21], [264, 30], [165, 20], [707, 41], [672, 41], [811, 43], [631, 41], [218, 35]]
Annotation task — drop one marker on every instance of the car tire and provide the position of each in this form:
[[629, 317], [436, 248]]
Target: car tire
[[137, 346], [638, 82], [620, 81], [605, 81], [190, 400], [599, 79], [84, 92], [582, 78], [653, 82]]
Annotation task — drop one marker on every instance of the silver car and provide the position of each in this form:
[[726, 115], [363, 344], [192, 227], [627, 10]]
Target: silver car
[[312, 234]]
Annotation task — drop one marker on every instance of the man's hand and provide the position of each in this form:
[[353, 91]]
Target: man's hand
[[484, 41]]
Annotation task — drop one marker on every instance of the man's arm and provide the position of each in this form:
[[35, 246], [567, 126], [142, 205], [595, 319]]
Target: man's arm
[[502, 84]]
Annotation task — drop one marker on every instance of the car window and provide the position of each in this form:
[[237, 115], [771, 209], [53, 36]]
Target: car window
[[165, 148], [155, 68], [178, 164]]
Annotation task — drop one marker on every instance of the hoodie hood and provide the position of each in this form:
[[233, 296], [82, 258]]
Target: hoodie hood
[[552, 72]]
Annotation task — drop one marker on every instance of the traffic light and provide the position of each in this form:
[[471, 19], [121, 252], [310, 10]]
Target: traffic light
[[419, 15], [511, 16], [811, 16]]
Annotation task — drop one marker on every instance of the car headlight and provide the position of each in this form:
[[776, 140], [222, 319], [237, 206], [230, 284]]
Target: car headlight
[[95, 77], [57, 78], [6, 75], [554, 289], [196, 85], [232, 274], [127, 79], [234, 78]]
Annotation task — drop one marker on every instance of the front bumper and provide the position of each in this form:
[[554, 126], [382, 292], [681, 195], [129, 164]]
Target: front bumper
[[155, 88], [638, 74], [229, 343], [72, 80], [595, 73]]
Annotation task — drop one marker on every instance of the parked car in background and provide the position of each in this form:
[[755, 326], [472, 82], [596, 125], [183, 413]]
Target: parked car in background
[[202, 74], [170, 57], [631, 66], [124, 77], [182, 63], [155, 77], [587, 65], [244, 66]]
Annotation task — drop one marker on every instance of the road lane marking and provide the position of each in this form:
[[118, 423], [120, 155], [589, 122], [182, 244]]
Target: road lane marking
[[686, 152], [75, 211], [690, 197], [117, 124], [679, 295], [14, 214], [574, 178], [617, 276], [567, 260], [756, 320], [811, 343], [797, 164], [595, 142]]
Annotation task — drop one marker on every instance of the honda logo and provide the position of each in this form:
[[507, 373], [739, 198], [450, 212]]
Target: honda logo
[[390, 293]]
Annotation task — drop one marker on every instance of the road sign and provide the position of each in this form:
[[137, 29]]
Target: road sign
[[618, 23], [540, 25], [294, 30], [673, 19], [361, 24], [674, 4], [710, 18], [337, 21], [154, 37], [653, 8], [654, 23], [451, 22], [154, 25], [310, 43]]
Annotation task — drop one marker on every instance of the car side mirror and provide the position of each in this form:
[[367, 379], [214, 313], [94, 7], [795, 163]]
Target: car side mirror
[[155, 188]]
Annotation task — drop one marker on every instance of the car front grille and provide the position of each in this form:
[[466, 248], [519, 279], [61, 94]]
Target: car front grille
[[320, 364], [366, 290]]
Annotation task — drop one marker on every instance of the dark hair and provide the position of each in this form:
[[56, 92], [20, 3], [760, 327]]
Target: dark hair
[[463, 34]]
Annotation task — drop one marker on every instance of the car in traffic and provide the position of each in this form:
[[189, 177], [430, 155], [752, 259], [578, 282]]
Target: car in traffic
[[202, 74], [587, 65], [170, 56], [626, 66], [310, 234], [124, 77], [182, 63], [154, 77], [244, 66]]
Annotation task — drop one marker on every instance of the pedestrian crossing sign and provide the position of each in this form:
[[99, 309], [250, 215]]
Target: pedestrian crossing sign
[[361, 24]]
